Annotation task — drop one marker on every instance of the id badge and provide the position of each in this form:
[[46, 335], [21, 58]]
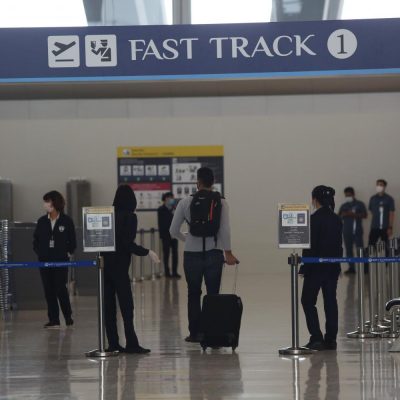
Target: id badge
[[51, 245]]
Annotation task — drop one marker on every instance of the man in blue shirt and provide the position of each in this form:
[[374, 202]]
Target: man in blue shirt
[[382, 209], [352, 213]]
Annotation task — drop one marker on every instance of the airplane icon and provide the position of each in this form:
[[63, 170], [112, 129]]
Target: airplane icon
[[62, 47]]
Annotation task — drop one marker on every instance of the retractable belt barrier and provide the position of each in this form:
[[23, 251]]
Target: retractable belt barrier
[[355, 260], [73, 264]]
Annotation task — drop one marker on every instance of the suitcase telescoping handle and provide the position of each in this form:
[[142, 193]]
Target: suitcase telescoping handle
[[234, 280]]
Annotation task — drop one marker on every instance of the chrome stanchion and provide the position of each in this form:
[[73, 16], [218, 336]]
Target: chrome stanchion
[[295, 349], [152, 247], [159, 273], [362, 332], [373, 328], [101, 351], [381, 284], [141, 266], [5, 294], [396, 275], [132, 268]]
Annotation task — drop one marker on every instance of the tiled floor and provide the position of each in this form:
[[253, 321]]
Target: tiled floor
[[39, 364]]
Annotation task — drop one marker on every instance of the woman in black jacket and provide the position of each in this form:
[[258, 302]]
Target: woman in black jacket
[[326, 241], [116, 272], [54, 241]]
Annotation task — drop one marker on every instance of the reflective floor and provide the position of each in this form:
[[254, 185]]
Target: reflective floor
[[39, 364]]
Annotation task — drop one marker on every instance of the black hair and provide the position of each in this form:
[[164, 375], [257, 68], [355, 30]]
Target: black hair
[[56, 199], [166, 195], [205, 176], [125, 199], [325, 196], [349, 189], [382, 181]]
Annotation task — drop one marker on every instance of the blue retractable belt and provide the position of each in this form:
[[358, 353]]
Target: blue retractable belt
[[74, 264], [327, 260]]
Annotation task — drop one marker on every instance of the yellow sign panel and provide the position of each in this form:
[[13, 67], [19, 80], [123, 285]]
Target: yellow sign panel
[[170, 151], [294, 207]]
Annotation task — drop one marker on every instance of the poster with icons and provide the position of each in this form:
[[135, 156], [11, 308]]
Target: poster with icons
[[152, 171]]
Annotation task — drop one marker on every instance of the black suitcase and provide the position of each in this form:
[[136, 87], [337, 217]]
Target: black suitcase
[[220, 320]]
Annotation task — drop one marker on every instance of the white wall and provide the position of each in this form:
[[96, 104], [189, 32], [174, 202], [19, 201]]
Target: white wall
[[276, 150]]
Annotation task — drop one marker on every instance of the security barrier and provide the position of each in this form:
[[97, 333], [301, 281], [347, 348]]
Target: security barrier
[[383, 285], [4, 275]]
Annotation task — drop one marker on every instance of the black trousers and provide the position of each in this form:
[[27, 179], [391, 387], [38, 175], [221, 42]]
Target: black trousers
[[311, 287], [168, 245], [117, 285], [55, 290], [351, 240], [376, 234]]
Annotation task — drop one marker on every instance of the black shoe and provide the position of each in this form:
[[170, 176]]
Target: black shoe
[[52, 325], [176, 276], [192, 339], [69, 322], [317, 346], [330, 345], [136, 350], [112, 349], [350, 271]]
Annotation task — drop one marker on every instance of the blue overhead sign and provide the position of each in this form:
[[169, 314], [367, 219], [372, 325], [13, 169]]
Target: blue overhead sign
[[295, 49]]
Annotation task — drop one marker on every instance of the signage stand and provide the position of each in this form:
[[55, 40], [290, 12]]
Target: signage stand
[[99, 236], [295, 349], [101, 351], [294, 233]]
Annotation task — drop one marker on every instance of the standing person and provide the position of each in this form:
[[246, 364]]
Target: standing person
[[382, 209], [165, 214], [116, 272], [54, 241], [203, 254], [352, 213], [326, 241]]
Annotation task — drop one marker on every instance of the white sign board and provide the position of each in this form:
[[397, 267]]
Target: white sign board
[[294, 226], [98, 229]]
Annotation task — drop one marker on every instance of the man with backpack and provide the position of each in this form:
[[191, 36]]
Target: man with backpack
[[207, 244]]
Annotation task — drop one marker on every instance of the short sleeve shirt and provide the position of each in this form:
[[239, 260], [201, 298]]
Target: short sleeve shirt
[[380, 207], [350, 224]]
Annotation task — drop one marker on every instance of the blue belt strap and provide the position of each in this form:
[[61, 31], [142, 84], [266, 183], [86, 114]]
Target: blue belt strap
[[63, 264]]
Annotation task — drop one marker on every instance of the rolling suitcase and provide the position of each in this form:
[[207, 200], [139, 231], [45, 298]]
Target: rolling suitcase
[[220, 320]]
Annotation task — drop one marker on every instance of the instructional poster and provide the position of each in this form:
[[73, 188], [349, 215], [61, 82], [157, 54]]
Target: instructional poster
[[152, 171], [294, 226], [98, 229]]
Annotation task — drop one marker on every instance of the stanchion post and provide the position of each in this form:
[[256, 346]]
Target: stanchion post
[[141, 258], [160, 274], [372, 292], [152, 247], [133, 268], [381, 283], [101, 351], [361, 332], [295, 349]]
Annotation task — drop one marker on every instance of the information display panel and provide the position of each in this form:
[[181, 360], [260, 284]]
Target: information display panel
[[294, 226], [98, 229], [152, 171]]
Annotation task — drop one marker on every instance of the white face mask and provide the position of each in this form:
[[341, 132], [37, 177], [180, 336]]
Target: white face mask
[[48, 207], [349, 199], [380, 189]]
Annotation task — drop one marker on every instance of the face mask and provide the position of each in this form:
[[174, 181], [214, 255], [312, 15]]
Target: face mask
[[48, 207], [380, 189], [349, 199], [170, 203]]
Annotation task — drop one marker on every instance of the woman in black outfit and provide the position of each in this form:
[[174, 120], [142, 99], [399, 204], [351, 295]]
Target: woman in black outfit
[[326, 241], [54, 241], [116, 272]]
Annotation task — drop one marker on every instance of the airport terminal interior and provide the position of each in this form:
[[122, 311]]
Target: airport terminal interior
[[292, 106]]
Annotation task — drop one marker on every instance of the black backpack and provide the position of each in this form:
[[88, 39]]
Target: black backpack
[[205, 215]]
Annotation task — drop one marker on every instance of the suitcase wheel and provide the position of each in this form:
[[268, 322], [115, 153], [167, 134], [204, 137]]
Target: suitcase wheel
[[234, 348], [204, 348]]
